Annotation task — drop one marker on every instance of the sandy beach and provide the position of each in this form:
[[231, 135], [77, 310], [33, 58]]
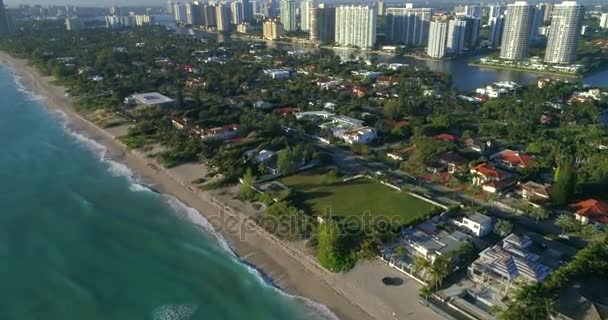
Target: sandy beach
[[358, 294]]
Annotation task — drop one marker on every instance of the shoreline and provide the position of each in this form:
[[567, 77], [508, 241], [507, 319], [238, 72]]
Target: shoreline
[[357, 294], [257, 253], [573, 76]]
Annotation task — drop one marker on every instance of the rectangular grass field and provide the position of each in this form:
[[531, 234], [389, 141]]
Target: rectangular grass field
[[353, 197]]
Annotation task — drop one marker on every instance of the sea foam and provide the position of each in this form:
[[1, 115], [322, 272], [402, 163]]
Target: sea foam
[[174, 312], [117, 169], [318, 310]]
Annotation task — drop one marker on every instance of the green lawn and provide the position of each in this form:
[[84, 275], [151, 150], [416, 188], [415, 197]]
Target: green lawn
[[354, 198]]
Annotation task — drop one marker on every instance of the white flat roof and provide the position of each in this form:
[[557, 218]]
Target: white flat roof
[[152, 98]]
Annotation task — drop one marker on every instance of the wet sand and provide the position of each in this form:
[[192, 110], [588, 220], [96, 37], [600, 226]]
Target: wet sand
[[357, 294]]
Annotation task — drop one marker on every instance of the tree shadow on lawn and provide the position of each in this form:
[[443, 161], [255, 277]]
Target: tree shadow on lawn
[[303, 200]]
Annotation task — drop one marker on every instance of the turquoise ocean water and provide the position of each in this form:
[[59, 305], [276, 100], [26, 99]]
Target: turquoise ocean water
[[79, 239]]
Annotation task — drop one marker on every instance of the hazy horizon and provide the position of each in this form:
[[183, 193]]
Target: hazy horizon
[[91, 3]]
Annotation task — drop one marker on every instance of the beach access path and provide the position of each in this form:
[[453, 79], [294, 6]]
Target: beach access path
[[357, 294]]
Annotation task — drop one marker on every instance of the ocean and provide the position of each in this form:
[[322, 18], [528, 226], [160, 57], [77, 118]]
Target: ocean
[[81, 239]]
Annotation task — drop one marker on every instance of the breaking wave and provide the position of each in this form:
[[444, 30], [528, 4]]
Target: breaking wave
[[117, 169]]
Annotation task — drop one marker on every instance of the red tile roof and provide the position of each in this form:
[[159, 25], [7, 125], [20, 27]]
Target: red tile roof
[[515, 158], [286, 110], [447, 137], [489, 171], [593, 209]]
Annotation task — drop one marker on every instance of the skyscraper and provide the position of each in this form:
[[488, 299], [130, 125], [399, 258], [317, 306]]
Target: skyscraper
[[380, 7], [356, 26], [548, 11], [496, 10], [473, 11], [438, 33], [115, 11], [247, 10], [538, 18], [455, 37], [304, 15], [497, 26], [269, 8], [170, 6], [471, 36], [236, 12], [564, 33], [72, 24], [409, 26], [323, 24], [4, 23], [517, 31], [179, 12], [222, 17], [209, 16], [272, 29], [193, 14], [288, 15]]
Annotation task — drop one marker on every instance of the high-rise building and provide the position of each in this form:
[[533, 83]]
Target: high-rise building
[[305, 15], [72, 24], [116, 22], [143, 19], [323, 24], [455, 37], [380, 7], [193, 14], [356, 26], [538, 18], [236, 12], [497, 25], [272, 29], [269, 8], [209, 16], [4, 20], [474, 11], [288, 15], [548, 12], [438, 33], [517, 31], [247, 10], [496, 10], [603, 20], [471, 36], [170, 6], [409, 26], [564, 33], [222, 14], [179, 12], [115, 11]]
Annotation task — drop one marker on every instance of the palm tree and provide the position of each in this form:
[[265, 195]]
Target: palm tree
[[503, 227], [440, 268], [400, 251], [566, 222], [262, 168], [421, 265]]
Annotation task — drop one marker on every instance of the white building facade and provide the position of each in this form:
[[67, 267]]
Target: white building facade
[[288, 15], [438, 33], [305, 15], [517, 32], [564, 32], [456, 32], [356, 26], [604, 21]]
